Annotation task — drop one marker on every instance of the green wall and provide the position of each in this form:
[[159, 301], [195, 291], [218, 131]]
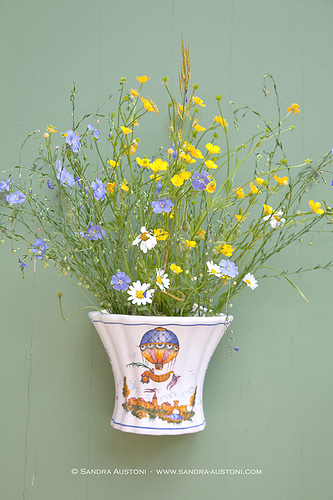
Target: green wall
[[269, 406]]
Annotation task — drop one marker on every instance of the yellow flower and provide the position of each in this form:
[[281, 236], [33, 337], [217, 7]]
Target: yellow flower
[[198, 127], [134, 93], [50, 129], [187, 157], [125, 130], [191, 244], [239, 192], [112, 163], [196, 153], [294, 108], [201, 233], [142, 79], [240, 217], [210, 164], [46, 135], [110, 187], [219, 119], [227, 250], [176, 269], [259, 181], [161, 234], [134, 146], [149, 105], [282, 181], [145, 162], [124, 185], [211, 187], [158, 165], [177, 180], [267, 209], [184, 174], [199, 102], [315, 206], [213, 149], [253, 189]]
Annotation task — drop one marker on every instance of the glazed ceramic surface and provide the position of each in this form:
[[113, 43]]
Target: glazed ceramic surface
[[159, 365]]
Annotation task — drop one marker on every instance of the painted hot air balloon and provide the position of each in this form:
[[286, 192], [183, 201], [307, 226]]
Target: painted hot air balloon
[[159, 346]]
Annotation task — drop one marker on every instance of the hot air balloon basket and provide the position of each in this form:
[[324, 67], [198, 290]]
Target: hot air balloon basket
[[159, 365]]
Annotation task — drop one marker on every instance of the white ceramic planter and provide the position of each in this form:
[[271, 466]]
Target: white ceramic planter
[[159, 365]]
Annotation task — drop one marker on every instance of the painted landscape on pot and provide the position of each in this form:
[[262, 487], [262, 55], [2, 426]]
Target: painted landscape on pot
[[159, 347]]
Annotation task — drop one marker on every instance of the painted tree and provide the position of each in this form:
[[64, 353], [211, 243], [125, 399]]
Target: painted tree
[[125, 389], [192, 398]]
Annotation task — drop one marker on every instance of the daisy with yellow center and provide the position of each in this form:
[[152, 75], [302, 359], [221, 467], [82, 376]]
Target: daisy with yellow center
[[294, 108], [142, 79], [282, 181], [162, 279], [198, 102], [315, 206], [146, 240], [140, 294], [176, 269], [213, 150], [250, 280], [214, 269]]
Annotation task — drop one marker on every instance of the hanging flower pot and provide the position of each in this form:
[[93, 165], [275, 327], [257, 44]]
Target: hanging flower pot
[[159, 365]]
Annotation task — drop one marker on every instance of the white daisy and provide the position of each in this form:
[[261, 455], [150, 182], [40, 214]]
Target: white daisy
[[140, 293], [214, 269], [275, 219], [162, 279], [146, 239], [250, 280]]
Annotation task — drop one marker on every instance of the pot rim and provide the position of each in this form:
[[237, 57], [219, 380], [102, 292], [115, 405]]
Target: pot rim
[[105, 317]]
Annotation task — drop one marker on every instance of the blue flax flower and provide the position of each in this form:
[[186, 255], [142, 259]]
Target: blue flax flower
[[22, 264], [4, 185], [120, 281], [77, 179], [228, 268], [94, 232], [40, 247], [50, 185], [159, 186], [95, 131], [63, 176], [99, 189], [73, 139], [200, 180], [162, 205], [16, 197]]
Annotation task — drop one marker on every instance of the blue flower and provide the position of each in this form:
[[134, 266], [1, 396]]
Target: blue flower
[[49, 185], [95, 131], [73, 139], [99, 189], [228, 268], [40, 247], [94, 232], [63, 176], [4, 185], [22, 264], [120, 281], [159, 186], [200, 180], [77, 179], [236, 348], [16, 197], [162, 205]]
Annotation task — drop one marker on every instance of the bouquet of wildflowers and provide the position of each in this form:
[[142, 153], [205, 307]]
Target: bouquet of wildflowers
[[179, 233]]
